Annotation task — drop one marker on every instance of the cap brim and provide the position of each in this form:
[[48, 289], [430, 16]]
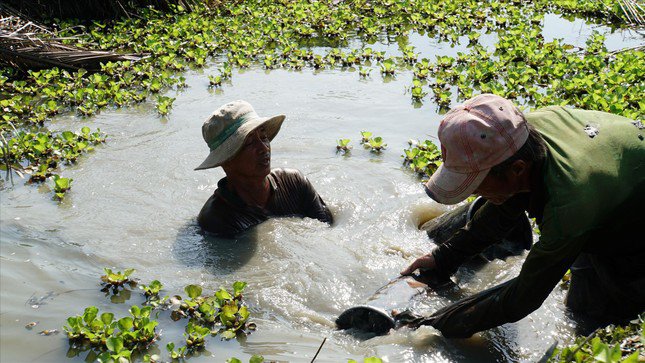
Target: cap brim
[[449, 187], [232, 145]]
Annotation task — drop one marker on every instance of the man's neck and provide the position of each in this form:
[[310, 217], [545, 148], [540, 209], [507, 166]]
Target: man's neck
[[254, 191]]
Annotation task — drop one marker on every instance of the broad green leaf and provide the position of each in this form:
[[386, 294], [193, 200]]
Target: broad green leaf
[[125, 323], [105, 357], [193, 291], [107, 318], [114, 344], [228, 335], [233, 360], [256, 359], [230, 309], [135, 311], [90, 314], [632, 358], [244, 313], [222, 294]]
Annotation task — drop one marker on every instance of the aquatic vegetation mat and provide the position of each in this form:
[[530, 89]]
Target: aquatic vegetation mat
[[613, 344], [107, 338], [299, 35]]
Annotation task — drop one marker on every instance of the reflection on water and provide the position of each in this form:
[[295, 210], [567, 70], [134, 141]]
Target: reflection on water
[[135, 200]]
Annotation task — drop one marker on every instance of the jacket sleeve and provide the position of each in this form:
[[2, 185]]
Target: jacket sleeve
[[490, 224], [545, 265]]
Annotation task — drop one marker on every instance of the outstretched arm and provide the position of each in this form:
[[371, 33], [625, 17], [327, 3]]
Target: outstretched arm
[[490, 224], [511, 301]]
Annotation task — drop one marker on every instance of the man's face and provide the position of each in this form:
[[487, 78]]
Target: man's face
[[254, 158], [498, 189]]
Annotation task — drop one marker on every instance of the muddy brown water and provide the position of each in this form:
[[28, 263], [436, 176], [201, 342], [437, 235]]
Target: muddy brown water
[[134, 202]]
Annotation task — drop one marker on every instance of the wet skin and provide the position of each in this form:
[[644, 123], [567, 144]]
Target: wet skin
[[254, 158], [497, 189], [247, 171]]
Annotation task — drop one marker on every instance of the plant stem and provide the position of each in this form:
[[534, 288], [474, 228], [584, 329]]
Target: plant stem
[[583, 343]]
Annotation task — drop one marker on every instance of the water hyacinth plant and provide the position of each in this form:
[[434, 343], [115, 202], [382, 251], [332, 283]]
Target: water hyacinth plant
[[376, 144], [164, 104], [343, 145], [214, 81], [102, 331], [116, 280], [388, 67], [364, 72], [61, 186], [111, 339], [365, 136], [522, 65], [221, 310], [416, 91], [422, 158]]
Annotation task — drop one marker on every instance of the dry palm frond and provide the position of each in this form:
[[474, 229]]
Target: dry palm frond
[[29, 51], [633, 11]]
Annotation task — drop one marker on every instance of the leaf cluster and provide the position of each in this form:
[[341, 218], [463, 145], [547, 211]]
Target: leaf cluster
[[40, 153], [284, 34], [222, 313], [613, 344], [375, 144], [115, 280], [423, 158], [115, 338]]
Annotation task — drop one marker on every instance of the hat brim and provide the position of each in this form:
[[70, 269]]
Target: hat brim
[[229, 148], [449, 187]]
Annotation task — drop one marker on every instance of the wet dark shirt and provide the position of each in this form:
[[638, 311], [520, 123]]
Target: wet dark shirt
[[226, 214], [584, 197]]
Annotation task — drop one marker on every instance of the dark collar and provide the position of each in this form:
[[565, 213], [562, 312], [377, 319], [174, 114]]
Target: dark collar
[[233, 198]]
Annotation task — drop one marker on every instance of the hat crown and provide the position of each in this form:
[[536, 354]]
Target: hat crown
[[481, 133], [224, 121]]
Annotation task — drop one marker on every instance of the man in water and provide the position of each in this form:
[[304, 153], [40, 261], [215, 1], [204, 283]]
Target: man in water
[[580, 174], [240, 142]]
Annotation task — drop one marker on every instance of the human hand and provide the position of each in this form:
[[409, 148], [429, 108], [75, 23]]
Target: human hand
[[426, 262]]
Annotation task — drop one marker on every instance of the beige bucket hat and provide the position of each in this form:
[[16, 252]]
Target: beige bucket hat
[[226, 129]]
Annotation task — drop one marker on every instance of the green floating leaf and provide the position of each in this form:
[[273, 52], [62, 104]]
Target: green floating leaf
[[228, 334], [114, 344], [107, 318], [125, 323], [193, 291], [222, 294], [238, 287]]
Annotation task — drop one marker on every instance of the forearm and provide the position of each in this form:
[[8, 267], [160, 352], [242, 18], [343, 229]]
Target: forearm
[[510, 301], [490, 224]]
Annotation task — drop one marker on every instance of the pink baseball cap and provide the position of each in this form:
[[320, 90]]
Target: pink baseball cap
[[475, 136]]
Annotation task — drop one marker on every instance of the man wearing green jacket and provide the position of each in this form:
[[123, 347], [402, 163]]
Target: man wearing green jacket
[[580, 173]]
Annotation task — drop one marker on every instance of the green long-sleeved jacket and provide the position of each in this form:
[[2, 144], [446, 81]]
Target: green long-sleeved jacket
[[587, 196]]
